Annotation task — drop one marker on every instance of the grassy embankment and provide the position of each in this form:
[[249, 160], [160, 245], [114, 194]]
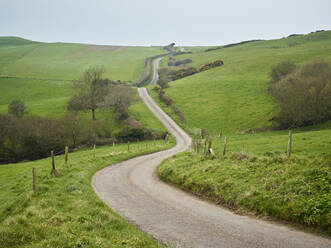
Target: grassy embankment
[[255, 175], [65, 211]]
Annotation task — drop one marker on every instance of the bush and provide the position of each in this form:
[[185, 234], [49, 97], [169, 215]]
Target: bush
[[34, 137], [304, 96], [167, 100], [17, 108], [133, 131], [210, 65], [184, 72], [280, 71], [182, 62]]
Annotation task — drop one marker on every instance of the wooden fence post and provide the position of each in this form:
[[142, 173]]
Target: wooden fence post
[[66, 150], [209, 147], [198, 146], [94, 151], [34, 179], [224, 150], [167, 138], [193, 146], [54, 171], [289, 144], [221, 134]]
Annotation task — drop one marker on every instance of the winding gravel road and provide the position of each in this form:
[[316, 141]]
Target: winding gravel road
[[132, 189]]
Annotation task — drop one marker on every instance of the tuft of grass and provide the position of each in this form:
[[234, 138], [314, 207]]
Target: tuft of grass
[[295, 190], [65, 211]]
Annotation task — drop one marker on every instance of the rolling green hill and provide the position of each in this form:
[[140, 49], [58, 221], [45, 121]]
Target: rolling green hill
[[235, 96], [41, 74], [67, 61]]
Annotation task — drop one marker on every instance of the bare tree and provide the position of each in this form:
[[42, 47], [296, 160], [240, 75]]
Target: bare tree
[[120, 97], [90, 90]]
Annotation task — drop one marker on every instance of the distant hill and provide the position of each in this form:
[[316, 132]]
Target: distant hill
[[15, 41]]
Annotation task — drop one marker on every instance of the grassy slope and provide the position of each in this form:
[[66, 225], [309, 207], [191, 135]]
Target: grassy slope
[[234, 97], [295, 190], [65, 211], [41, 74], [66, 61]]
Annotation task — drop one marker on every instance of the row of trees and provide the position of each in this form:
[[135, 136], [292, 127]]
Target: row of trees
[[303, 94]]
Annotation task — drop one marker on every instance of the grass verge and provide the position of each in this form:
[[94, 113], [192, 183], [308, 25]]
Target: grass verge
[[296, 190]]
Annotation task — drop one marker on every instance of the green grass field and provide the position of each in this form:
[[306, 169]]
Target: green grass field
[[41, 74], [65, 211], [235, 96], [67, 61]]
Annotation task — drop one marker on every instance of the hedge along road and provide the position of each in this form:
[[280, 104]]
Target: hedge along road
[[132, 189]]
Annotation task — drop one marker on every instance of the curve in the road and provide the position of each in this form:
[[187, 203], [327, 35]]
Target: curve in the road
[[132, 189]]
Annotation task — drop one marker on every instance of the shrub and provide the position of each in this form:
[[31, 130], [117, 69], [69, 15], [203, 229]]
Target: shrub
[[184, 72], [133, 133], [17, 108], [182, 62], [163, 83], [34, 137], [280, 71], [304, 96], [167, 100], [210, 65]]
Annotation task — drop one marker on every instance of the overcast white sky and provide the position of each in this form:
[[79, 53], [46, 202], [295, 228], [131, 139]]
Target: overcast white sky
[[156, 22]]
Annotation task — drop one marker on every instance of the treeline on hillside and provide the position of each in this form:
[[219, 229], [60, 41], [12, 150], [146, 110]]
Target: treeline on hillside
[[303, 94], [230, 45], [30, 138]]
